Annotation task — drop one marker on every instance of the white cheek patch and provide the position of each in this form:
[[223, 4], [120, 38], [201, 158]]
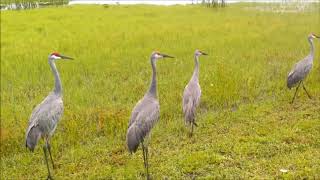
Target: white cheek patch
[[158, 56], [55, 57]]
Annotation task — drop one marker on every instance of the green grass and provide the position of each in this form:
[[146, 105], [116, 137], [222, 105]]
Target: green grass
[[247, 128]]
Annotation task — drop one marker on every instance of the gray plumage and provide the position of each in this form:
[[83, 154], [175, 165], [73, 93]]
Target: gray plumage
[[45, 116], [301, 69], [44, 119], [192, 94], [145, 114]]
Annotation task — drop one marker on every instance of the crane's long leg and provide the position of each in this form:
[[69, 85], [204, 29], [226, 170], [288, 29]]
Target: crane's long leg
[[144, 155], [49, 149], [296, 92], [46, 158], [191, 133], [147, 164], [306, 90], [193, 123], [145, 158]]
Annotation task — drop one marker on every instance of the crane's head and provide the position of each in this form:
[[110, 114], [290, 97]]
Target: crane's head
[[313, 36], [199, 53], [57, 56], [157, 55]]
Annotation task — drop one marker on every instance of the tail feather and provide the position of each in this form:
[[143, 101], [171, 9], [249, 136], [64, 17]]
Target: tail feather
[[293, 79], [290, 81], [133, 138], [189, 112], [32, 138]]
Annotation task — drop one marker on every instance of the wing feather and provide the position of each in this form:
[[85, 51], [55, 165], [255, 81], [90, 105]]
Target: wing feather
[[144, 116], [191, 100], [44, 118], [299, 71]]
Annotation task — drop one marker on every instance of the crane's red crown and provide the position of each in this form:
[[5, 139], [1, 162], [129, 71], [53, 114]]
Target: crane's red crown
[[55, 53]]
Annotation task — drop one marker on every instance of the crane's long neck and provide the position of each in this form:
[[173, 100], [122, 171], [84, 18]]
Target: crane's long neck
[[153, 86], [57, 81], [196, 68], [311, 47]]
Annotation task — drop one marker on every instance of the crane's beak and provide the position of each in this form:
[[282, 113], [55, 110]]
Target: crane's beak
[[203, 53], [166, 56], [66, 57]]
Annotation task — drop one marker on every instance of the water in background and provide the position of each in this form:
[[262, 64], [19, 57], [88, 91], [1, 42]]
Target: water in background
[[22, 4], [181, 2]]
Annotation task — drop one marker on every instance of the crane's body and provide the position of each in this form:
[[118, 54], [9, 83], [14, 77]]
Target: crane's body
[[45, 116], [192, 94], [301, 69], [191, 100], [44, 119], [145, 115]]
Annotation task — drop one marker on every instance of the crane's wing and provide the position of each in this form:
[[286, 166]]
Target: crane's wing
[[191, 99], [44, 119], [299, 71], [144, 116], [135, 112]]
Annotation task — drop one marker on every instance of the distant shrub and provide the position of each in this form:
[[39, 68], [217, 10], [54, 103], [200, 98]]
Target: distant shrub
[[214, 3], [30, 4]]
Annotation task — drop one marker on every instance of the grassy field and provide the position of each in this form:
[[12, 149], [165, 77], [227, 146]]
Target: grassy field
[[247, 128]]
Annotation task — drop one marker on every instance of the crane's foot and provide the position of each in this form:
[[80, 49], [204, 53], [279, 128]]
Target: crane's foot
[[294, 97], [148, 177], [310, 97], [49, 177]]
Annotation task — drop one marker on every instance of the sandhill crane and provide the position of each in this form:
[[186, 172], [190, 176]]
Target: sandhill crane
[[192, 93], [302, 69], [46, 115], [145, 115]]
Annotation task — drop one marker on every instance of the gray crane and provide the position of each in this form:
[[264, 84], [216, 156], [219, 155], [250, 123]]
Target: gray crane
[[191, 94], [46, 115], [145, 115], [301, 69]]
